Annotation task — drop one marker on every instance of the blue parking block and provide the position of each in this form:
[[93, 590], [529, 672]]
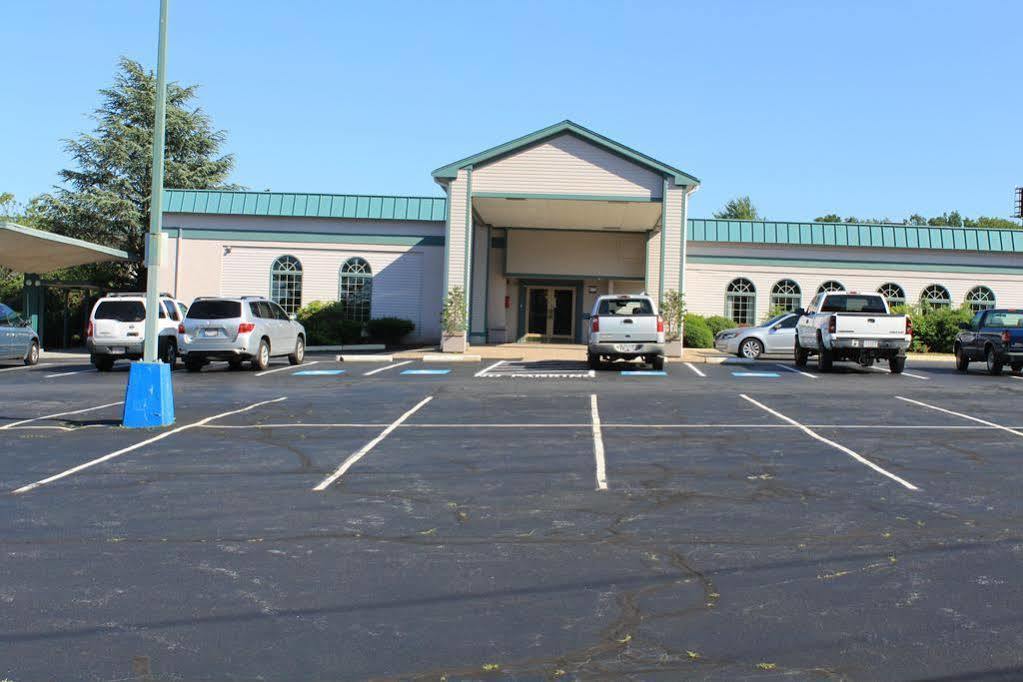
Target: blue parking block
[[319, 372], [426, 371], [643, 373], [770, 375]]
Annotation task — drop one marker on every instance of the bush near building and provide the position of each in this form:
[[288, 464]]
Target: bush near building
[[325, 324], [696, 332], [389, 330], [934, 329], [719, 323]]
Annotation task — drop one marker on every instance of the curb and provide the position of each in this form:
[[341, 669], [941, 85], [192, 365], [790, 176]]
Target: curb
[[339, 349], [451, 357]]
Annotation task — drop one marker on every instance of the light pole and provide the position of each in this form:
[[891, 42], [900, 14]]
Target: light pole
[[149, 399]]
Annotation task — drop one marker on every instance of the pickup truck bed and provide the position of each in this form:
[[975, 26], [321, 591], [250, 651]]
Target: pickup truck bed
[[850, 326]]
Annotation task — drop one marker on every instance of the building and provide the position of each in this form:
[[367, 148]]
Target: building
[[535, 229]]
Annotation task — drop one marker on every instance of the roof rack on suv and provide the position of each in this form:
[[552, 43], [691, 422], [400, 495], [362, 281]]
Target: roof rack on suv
[[118, 294], [257, 298]]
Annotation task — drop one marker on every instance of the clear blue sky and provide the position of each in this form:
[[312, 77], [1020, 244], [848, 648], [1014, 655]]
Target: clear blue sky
[[871, 109]]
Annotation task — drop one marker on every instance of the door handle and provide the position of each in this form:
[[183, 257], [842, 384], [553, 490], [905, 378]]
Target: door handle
[[626, 321]]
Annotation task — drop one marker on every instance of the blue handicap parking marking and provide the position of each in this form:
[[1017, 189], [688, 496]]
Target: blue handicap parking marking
[[643, 373], [770, 375], [319, 372], [426, 371]]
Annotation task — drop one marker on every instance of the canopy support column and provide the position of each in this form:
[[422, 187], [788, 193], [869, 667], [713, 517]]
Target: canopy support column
[[34, 298]]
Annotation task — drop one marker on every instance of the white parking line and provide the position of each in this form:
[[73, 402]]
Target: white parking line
[[355, 457], [693, 367], [58, 414], [136, 446], [598, 444], [483, 371], [813, 434], [76, 371], [905, 374], [797, 371], [13, 369], [281, 369], [583, 425], [381, 369], [960, 414]]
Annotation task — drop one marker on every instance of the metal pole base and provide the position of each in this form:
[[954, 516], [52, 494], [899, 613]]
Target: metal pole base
[[149, 399]]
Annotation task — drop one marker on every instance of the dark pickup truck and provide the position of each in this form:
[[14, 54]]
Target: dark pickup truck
[[994, 336]]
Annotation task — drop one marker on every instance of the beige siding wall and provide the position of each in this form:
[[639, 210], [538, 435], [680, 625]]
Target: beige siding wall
[[568, 252], [674, 219], [458, 201], [653, 267], [566, 165], [707, 283], [196, 221], [497, 322]]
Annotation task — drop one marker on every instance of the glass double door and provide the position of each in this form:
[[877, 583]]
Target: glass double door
[[550, 313]]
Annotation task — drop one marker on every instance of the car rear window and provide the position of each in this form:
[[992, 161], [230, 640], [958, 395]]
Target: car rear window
[[214, 310], [851, 303], [1006, 319], [625, 307], [121, 311]]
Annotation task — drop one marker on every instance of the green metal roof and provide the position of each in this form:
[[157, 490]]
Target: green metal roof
[[680, 177], [856, 235], [221, 202]]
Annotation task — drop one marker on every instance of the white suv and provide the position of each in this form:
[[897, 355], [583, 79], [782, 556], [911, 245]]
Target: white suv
[[117, 326]]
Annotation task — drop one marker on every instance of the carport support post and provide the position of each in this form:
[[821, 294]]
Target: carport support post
[[34, 302], [149, 400]]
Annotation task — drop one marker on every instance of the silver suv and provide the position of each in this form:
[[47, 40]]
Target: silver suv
[[249, 328]]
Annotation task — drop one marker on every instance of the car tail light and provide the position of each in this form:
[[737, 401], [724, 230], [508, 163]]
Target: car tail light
[[595, 327], [1005, 338], [909, 327], [181, 329], [660, 324], [832, 324], [246, 327], [88, 330]]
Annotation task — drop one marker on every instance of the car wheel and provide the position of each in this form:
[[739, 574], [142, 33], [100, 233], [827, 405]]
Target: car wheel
[[298, 356], [169, 354], [193, 364], [962, 362], [261, 360], [593, 361], [32, 357], [897, 363], [751, 349], [801, 355], [994, 367], [824, 360], [1017, 369], [658, 363], [103, 364]]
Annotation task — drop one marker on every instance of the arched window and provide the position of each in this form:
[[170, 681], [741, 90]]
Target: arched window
[[936, 296], [893, 293], [829, 286], [355, 289], [980, 298], [741, 301], [785, 295], [286, 283]]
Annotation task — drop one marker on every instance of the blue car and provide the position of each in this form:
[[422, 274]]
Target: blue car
[[994, 337], [18, 341]]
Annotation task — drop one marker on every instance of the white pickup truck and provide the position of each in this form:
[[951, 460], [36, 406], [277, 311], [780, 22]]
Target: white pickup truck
[[625, 327], [843, 325]]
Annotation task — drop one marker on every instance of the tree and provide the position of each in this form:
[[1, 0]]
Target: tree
[[740, 208], [829, 218], [105, 198]]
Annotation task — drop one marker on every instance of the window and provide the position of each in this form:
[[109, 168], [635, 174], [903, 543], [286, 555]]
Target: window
[[1003, 319], [183, 308], [120, 311], [789, 322], [785, 295], [829, 286], [936, 296], [741, 301], [286, 283], [171, 310], [892, 293], [980, 298], [7, 316], [853, 303], [355, 289], [625, 307], [214, 309]]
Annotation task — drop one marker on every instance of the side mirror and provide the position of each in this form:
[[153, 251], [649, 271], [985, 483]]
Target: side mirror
[[800, 311]]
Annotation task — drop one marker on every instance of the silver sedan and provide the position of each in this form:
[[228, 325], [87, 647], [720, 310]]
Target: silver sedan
[[775, 336]]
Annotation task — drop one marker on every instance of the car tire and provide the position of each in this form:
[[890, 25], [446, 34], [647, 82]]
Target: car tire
[[1017, 369], [897, 363], [32, 356], [593, 361], [193, 364], [825, 359], [658, 363], [962, 362], [169, 353], [801, 355], [994, 366], [103, 364], [261, 360], [751, 349], [298, 356]]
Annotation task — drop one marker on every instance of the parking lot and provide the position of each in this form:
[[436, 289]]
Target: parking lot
[[419, 520]]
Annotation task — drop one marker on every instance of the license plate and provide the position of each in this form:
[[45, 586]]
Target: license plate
[[117, 351], [870, 344], [210, 332], [626, 347]]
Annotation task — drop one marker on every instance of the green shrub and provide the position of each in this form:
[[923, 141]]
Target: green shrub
[[934, 329], [325, 324], [696, 332], [452, 315], [719, 323], [673, 310], [389, 330]]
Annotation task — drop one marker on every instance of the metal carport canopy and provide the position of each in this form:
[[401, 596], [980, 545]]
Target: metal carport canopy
[[26, 249]]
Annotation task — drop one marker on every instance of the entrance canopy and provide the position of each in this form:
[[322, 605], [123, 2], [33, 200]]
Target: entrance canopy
[[25, 249]]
